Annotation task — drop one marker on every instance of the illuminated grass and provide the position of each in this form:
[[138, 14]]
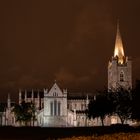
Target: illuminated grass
[[117, 136]]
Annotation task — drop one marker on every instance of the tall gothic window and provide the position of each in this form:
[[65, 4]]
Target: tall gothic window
[[55, 108], [59, 106], [51, 108], [121, 76]]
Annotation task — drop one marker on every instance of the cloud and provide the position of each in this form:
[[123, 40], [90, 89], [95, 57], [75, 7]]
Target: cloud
[[68, 77], [93, 22]]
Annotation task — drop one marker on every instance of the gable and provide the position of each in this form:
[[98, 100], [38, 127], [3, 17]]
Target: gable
[[55, 91]]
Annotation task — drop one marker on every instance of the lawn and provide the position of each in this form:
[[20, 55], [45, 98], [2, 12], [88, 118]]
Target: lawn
[[71, 133], [117, 136]]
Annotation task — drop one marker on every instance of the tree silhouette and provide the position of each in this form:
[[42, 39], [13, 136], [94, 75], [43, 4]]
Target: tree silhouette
[[101, 107], [115, 102], [136, 102], [122, 103], [24, 112]]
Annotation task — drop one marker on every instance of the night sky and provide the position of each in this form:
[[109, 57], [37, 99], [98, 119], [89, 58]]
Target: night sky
[[70, 41]]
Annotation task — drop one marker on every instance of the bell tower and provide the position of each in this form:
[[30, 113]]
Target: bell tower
[[120, 66]]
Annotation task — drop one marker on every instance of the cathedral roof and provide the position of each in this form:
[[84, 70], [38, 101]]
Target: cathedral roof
[[55, 88], [79, 95]]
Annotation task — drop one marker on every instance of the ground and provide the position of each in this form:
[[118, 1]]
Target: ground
[[37, 133], [116, 136]]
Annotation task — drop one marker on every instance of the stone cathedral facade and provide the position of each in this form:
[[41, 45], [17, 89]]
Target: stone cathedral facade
[[59, 108], [54, 108]]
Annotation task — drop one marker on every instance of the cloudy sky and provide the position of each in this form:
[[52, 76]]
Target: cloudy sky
[[70, 41]]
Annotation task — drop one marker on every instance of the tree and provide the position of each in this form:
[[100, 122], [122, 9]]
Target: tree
[[33, 111], [136, 102], [122, 103], [101, 107], [115, 102], [24, 112]]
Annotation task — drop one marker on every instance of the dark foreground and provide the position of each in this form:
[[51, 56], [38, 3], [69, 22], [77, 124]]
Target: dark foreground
[[37, 133]]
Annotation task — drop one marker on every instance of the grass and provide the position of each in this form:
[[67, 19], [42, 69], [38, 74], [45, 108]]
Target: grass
[[116, 136], [74, 133]]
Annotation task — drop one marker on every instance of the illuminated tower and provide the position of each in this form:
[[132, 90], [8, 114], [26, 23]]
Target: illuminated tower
[[120, 67]]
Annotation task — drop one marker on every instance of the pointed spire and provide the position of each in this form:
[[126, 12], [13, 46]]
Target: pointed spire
[[8, 101], [119, 51], [87, 102], [20, 96]]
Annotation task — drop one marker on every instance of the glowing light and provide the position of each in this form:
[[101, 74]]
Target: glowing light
[[119, 52], [114, 120]]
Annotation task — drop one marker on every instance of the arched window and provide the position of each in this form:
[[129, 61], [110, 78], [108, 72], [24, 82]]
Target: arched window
[[121, 76]]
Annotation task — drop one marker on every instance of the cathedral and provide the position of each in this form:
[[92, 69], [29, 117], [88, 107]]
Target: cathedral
[[56, 107]]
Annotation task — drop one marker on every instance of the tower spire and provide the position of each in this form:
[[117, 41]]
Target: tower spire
[[8, 101], [119, 51]]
